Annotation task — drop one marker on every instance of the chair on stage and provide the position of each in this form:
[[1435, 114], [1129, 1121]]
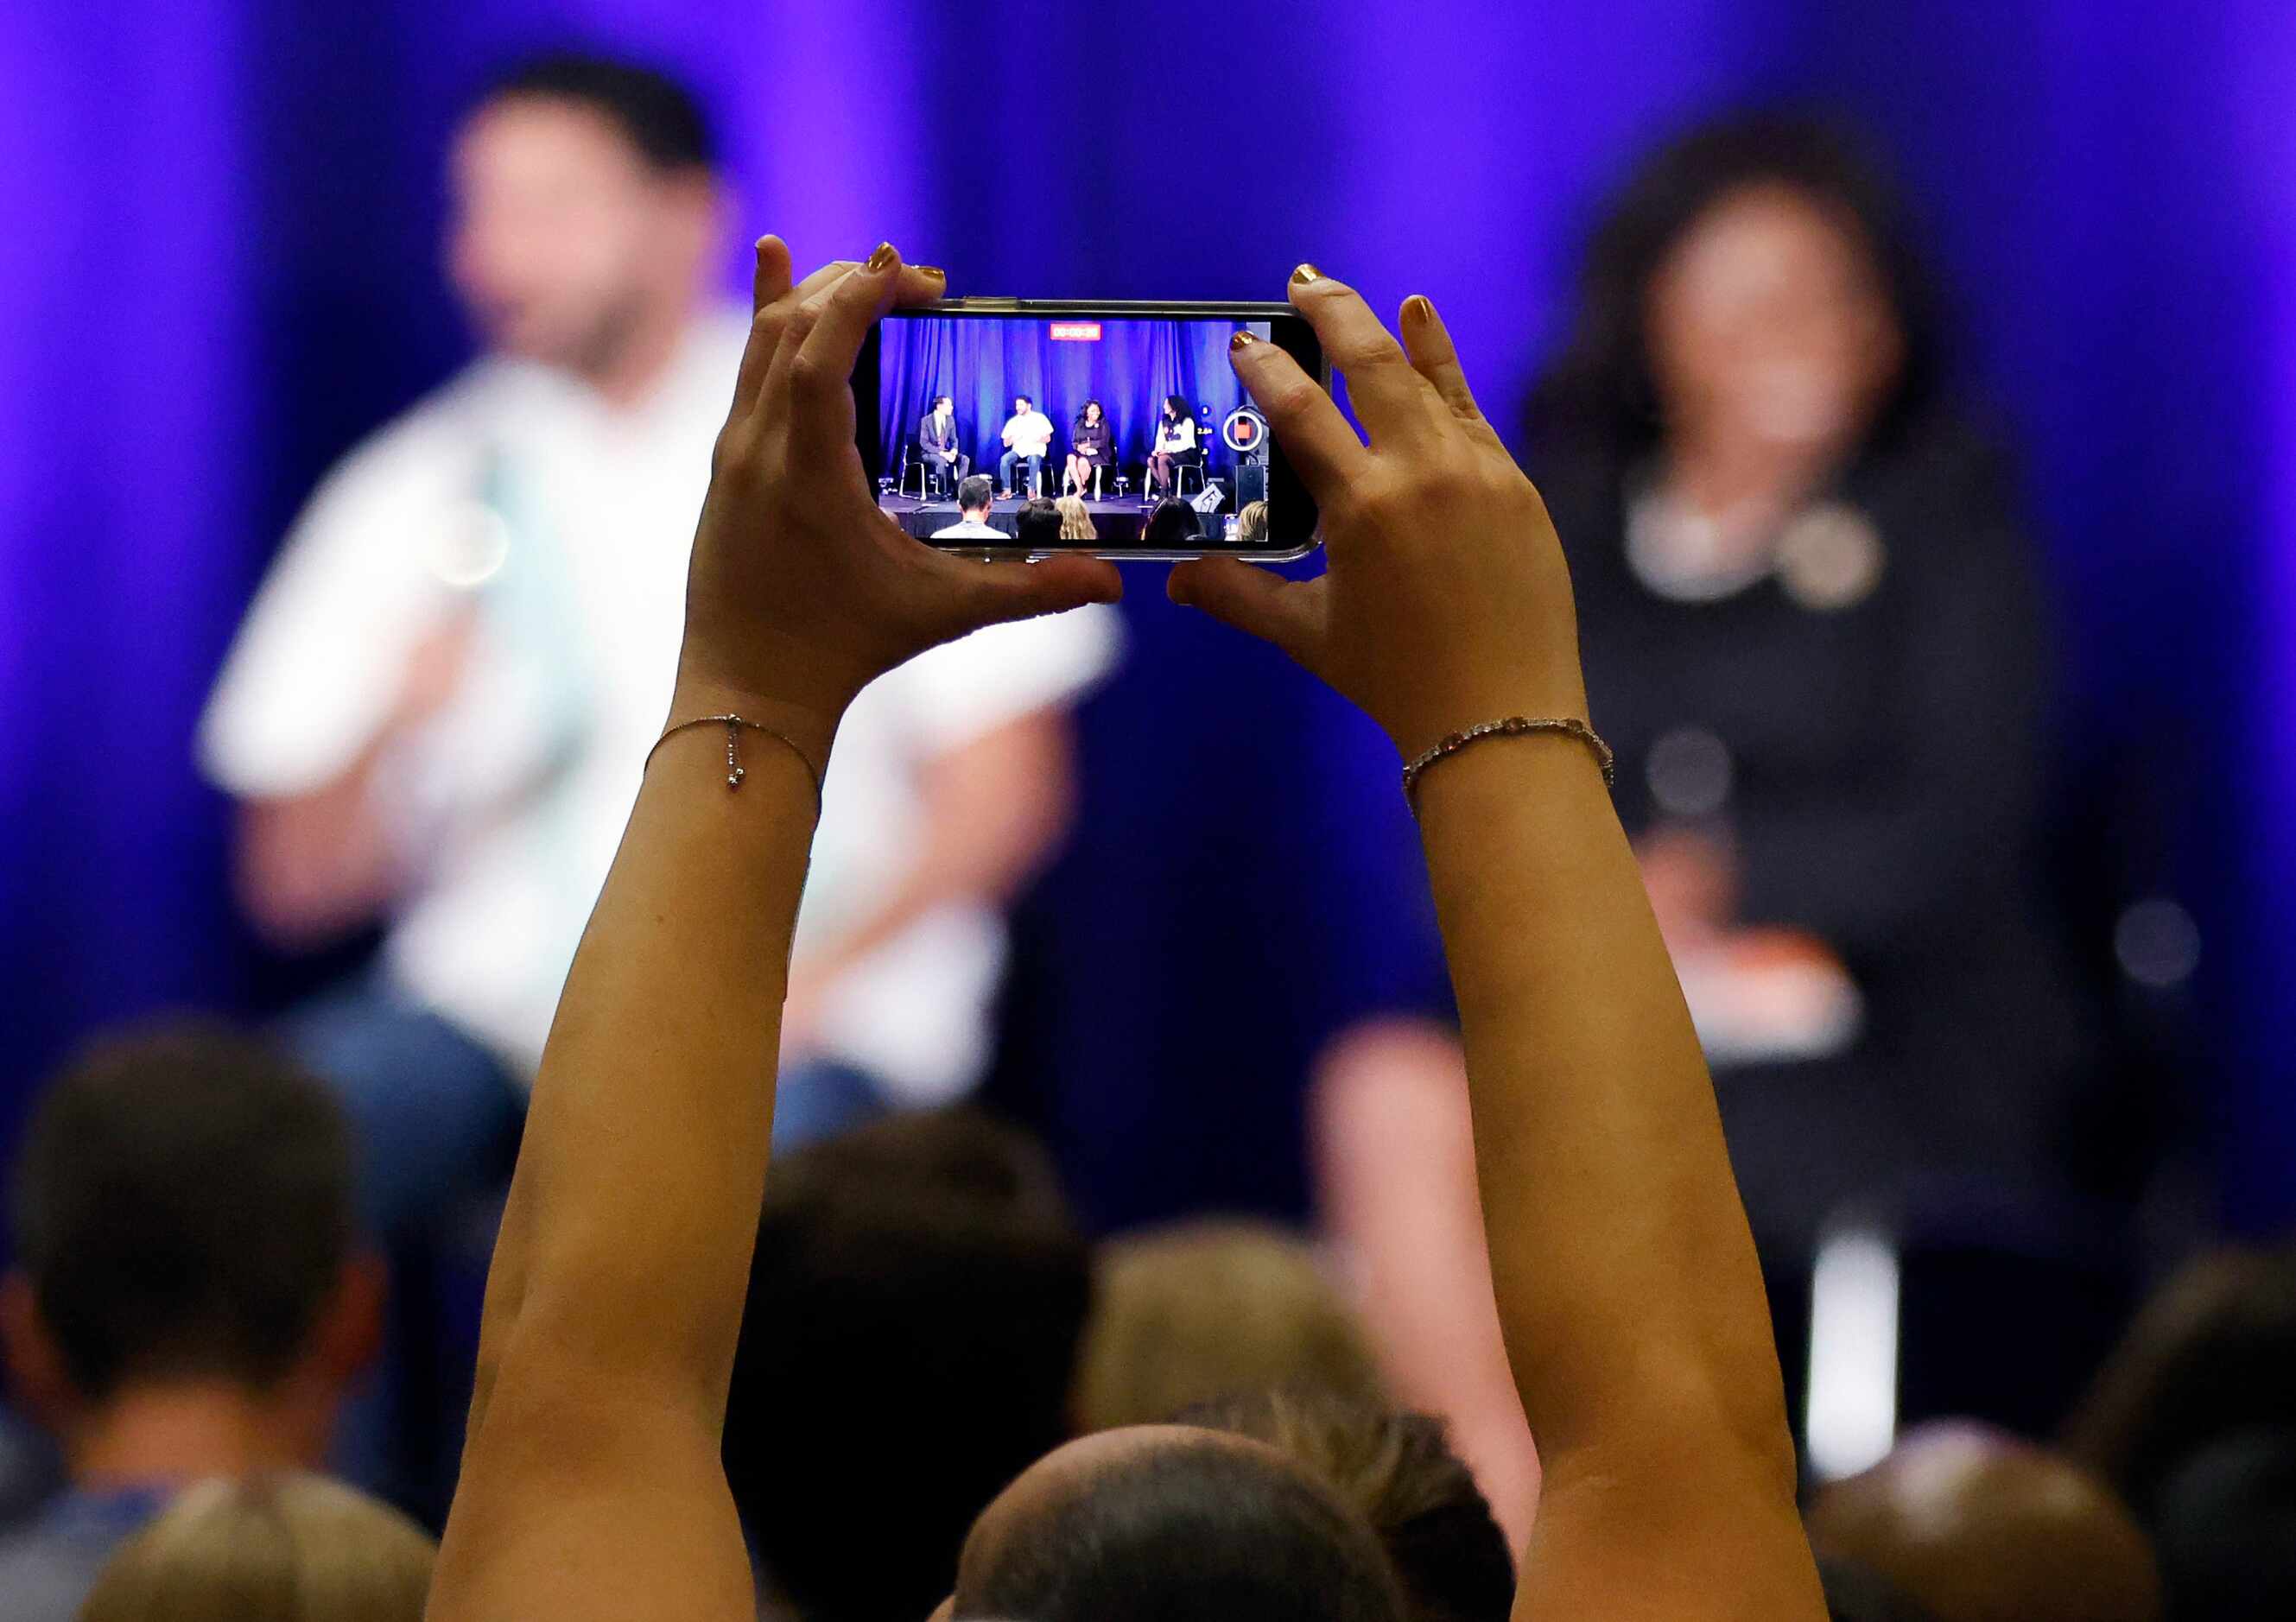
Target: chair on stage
[[1184, 464], [913, 461]]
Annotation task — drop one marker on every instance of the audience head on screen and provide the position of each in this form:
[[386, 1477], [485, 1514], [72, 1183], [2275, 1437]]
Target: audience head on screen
[[277, 1549], [1172, 1520], [975, 493], [1842, 350], [1173, 523], [1204, 1310], [1039, 523], [909, 1346], [1076, 520], [585, 212], [1980, 1527], [182, 1208], [1397, 1471], [1251, 521]]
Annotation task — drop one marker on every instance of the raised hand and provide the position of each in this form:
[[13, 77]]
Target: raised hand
[[801, 592], [1445, 600]]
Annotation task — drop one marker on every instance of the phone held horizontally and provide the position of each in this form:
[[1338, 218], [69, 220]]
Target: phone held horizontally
[[1030, 427]]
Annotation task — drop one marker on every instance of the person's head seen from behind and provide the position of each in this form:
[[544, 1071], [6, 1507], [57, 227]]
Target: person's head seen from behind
[[916, 1300], [183, 1223], [1038, 524], [1157, 1521], [1397, 1471]]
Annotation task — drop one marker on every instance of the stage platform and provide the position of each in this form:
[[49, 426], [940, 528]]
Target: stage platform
[[1118, 521]]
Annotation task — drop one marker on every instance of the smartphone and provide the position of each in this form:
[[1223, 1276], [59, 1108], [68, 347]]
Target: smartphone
[[1131, 407]]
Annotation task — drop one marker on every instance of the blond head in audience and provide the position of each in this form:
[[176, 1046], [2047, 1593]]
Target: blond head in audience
[[1076, 523], [281, 1549], [1200, 1311]]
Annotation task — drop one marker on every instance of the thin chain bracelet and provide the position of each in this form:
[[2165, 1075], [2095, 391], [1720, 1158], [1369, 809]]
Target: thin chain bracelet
[[734, 773], [1512, 726]]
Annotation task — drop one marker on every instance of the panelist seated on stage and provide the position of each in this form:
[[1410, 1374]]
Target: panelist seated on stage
[[1027, 437], [1176, 445], [937, 444], [1090, 447], [974, 497]]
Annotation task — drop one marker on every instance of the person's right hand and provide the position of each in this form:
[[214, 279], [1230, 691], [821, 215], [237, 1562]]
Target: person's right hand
[[1445, 600]]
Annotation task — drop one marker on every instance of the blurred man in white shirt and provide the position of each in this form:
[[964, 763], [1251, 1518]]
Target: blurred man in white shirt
[[437, 712], [1028, 436]]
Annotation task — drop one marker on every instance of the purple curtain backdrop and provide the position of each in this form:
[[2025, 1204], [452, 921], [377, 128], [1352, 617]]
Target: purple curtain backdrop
[[222, 269]]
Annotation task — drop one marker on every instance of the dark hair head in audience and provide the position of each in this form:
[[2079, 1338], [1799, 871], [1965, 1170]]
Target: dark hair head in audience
[[660, 117], [1602, 398], [1168, 1521], [1173, 523], [975, 492], [1038, 523], [183, 1208], [914, 1305], [1397, 1471]]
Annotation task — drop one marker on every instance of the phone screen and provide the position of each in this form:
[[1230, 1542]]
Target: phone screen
[[1121, 429]]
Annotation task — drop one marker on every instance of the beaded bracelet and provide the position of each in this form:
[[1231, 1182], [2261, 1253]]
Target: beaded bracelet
[[1512, 726], [734, 773]]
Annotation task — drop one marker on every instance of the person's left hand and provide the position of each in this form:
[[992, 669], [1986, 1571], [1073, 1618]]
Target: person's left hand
[[801, 592]]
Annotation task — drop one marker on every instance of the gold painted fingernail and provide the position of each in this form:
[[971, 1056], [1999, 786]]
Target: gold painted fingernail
[[1417, 311], [934, 271], [1306, 274], [882, 259], [1243, 339]]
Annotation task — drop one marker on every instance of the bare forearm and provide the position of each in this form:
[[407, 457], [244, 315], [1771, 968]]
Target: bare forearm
[[638, 1187], [1626, 1277]]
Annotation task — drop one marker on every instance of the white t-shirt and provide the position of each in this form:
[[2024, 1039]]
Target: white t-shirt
[[1029, 432], [570, 521], [974, 530]]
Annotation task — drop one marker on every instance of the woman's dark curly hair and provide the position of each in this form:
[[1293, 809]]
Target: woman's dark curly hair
[[1598, 400]]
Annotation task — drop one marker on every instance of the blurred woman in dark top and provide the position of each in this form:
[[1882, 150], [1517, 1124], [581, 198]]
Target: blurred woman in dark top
[[1089, 448], [1813, 637]]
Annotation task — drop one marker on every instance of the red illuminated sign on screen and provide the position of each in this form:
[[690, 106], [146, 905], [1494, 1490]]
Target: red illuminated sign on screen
[[1075, 331]]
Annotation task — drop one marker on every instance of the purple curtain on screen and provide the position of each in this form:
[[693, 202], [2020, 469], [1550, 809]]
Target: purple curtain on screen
[[221, 269], [983, 366]]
